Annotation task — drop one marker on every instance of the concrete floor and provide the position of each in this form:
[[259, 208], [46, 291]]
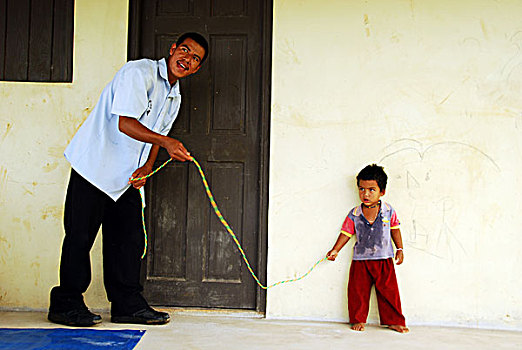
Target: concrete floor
[[236, 330]]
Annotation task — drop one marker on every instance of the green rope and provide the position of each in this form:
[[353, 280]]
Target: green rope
[[225, 224]]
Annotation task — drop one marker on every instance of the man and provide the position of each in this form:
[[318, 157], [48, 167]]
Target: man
[[120, 138]]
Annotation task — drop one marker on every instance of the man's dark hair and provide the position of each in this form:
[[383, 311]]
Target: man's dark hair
[[200, 39], [374, 172]]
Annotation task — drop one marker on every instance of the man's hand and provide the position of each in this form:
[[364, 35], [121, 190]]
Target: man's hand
[[140, 172], [176, 149]]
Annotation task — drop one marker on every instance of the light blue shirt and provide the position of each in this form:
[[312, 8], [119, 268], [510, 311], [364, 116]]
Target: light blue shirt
[[99, 151]]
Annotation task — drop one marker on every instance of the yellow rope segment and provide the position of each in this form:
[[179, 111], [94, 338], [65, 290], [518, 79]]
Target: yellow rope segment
[[222, 220]]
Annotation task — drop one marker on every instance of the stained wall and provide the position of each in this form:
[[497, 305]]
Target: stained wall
[[37, 121], [431, 91]]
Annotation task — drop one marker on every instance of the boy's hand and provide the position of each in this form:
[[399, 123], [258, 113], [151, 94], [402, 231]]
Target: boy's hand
[[399, 257], [332, 254]]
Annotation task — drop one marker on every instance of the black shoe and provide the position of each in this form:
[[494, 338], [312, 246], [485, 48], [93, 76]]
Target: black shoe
[[75, 318], [144, 316]]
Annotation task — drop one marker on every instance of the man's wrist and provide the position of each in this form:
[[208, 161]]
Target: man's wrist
[[400, 249], [163, 140]]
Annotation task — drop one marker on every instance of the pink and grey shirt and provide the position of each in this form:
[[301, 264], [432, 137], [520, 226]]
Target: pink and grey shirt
[[373, 240]]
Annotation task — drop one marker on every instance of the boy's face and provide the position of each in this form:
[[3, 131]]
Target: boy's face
[[369, 192], [184, 59]]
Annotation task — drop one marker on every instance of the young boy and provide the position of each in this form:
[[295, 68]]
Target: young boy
[[375, 224]]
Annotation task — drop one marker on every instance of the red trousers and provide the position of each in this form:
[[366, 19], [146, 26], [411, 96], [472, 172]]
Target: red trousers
[[363, 275]]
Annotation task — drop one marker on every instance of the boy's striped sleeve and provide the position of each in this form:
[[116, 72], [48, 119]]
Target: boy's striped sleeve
[[348, 228], [394, 221]]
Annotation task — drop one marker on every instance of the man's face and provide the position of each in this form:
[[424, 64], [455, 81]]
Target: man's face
[[184, 59]]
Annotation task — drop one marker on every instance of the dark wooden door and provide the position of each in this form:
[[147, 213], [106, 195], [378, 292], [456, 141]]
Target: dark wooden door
[[223, 122]]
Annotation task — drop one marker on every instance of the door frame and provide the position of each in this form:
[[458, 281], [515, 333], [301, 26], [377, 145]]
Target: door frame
[[134, 43]]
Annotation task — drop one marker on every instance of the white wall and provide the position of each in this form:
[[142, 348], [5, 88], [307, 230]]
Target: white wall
[[431, 91]]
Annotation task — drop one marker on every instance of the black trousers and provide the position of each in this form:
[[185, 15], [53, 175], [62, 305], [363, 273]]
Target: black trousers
[[86, 208]]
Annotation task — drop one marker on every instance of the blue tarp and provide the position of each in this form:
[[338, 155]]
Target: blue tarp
[[70, 339]]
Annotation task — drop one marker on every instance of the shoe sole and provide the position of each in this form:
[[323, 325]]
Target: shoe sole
[[134, 320], [60, 320]]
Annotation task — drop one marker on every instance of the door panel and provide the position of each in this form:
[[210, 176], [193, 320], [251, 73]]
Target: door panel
[[192, 260]]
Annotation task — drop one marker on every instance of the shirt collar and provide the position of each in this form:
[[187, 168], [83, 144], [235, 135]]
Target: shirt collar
[[162, 67], [385, 207]]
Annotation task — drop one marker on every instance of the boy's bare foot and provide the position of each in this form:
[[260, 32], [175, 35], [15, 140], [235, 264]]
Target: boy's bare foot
[[400, 329], [358, 327]]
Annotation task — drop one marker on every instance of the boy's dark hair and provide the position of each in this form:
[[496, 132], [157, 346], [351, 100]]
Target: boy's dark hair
[[374, 172], [200, 39]]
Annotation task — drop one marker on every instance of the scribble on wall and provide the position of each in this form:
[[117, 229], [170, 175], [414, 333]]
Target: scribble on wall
[[515, 61], [417, 147], [438, 179]]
